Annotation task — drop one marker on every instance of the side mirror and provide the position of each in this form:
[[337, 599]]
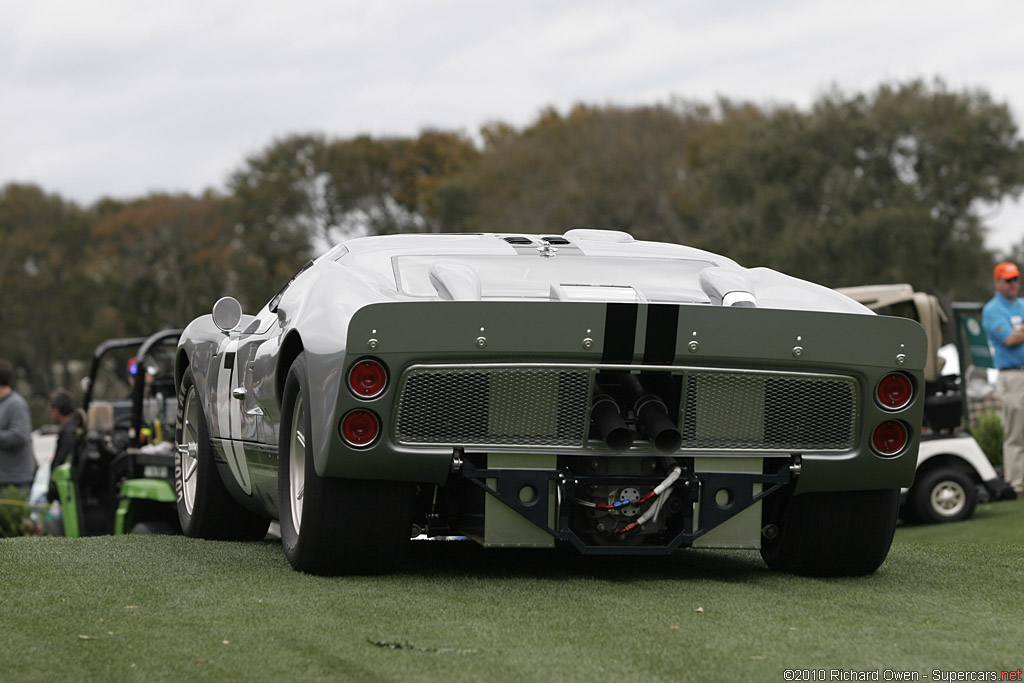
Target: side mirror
[[227, 313]]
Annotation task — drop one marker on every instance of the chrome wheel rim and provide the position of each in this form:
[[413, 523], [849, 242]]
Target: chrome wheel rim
[[948, 498], [189, 450], [297, 462]]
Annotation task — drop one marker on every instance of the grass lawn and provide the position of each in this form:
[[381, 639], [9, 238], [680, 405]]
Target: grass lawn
[[170, 608]]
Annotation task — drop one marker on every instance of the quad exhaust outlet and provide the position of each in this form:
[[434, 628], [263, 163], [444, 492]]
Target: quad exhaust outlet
[[652, 418]]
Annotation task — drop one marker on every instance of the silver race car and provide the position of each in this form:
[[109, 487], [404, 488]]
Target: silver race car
[[621, 396]]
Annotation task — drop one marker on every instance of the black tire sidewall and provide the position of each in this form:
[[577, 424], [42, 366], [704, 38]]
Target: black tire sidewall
[[837, 533]]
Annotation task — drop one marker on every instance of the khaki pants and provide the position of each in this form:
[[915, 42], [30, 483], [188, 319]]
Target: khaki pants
[[1011, 396]]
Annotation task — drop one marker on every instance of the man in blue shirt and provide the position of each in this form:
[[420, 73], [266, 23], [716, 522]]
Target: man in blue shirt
[[1003, 320]]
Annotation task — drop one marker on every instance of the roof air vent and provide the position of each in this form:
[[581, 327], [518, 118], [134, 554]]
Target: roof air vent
[[555, 240], [518, 239], [586, 234]]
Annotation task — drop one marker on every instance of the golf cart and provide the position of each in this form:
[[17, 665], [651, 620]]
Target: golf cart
[[953, 473], [120, 476]]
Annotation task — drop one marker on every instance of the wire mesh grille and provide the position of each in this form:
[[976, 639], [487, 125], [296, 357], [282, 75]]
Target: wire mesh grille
[[744, 411], [479, 406], [549, 406]]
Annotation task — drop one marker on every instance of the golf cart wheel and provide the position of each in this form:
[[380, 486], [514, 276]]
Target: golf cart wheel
[[832, 533], [944, 494], [205, 508], [333, 526]]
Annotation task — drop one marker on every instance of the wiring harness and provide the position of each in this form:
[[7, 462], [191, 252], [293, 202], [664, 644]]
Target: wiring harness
[[656, 497]]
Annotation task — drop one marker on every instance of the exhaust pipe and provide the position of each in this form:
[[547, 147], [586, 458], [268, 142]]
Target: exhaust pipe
[[613, 430], [653, 415]]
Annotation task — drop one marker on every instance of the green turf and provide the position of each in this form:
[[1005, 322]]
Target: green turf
[[167, 608]]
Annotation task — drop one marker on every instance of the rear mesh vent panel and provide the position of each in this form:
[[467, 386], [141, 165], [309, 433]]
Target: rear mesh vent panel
[[741, 411], [549, 406], [498, 406]]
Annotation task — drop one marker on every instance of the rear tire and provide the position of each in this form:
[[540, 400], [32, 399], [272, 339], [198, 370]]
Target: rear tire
[[333, 526], [205, 508], [944, 495], [841, 533]]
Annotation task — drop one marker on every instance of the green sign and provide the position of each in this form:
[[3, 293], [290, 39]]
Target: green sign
[[978, 350]]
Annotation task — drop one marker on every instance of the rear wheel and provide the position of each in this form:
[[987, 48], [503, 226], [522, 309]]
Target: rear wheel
[[840, 533], [944, 495], [330, 525], [205, 508]]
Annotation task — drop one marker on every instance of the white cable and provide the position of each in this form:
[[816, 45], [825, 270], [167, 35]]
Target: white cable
[[669, 480], [652, 512]]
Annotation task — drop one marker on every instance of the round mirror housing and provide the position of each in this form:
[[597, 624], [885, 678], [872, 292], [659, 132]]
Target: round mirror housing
[[227, 313]]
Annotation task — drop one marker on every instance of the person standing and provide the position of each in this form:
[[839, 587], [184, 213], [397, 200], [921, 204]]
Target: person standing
[[1003, 320], [62, 409], [17, 463]]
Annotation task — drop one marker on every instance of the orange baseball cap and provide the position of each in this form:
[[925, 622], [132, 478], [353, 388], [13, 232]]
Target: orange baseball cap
[[1005, 271]]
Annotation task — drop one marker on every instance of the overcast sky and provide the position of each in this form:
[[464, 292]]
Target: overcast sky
[[119, 98]]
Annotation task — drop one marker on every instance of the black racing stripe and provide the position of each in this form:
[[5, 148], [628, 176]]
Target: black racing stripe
[[662, 326], [619, 333]]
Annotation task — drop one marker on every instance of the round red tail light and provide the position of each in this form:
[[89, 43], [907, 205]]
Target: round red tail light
[[894, 391], [367, 378], [360, 428], [890, 437]]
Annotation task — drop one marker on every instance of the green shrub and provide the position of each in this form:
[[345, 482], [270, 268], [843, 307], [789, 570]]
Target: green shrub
[[988, 432], [14, 517]]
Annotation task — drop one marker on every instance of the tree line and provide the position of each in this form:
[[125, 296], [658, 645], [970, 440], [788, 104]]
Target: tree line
[[884, 186]]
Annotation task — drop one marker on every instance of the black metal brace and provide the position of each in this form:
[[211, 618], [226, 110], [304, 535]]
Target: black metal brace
[[738, 496]]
